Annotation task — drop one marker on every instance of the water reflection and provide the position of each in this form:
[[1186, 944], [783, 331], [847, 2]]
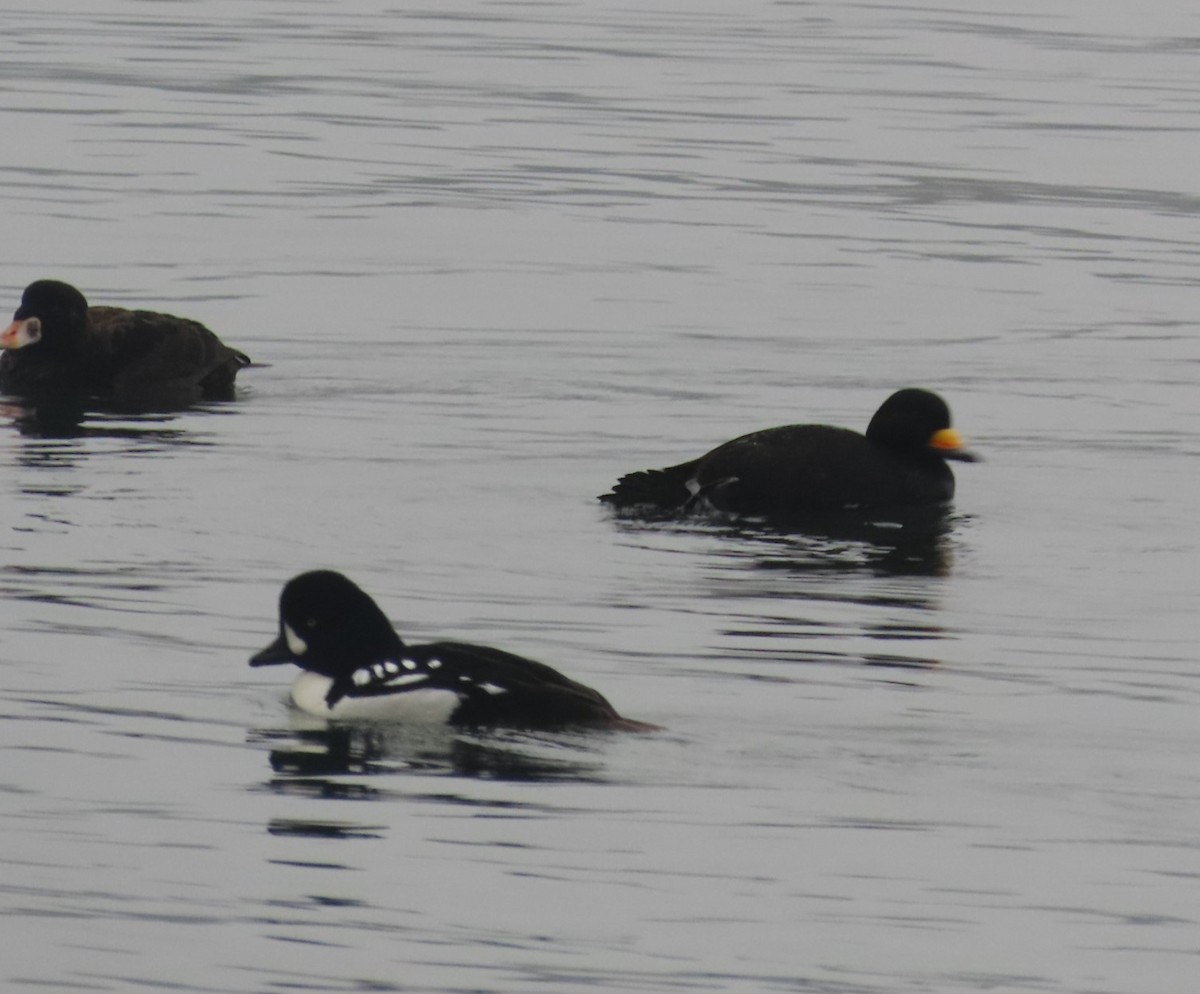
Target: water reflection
[[73, 584], [860, 596], [915, 542], [306, 758], [323, 829], [769, 644], [847, 589], [897, 542], [68, 419]]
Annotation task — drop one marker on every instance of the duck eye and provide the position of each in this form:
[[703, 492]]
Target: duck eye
[[310, 623]]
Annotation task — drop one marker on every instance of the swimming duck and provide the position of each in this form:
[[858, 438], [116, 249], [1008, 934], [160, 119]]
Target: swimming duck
[[899, 462], [59, 347], [354, 665]]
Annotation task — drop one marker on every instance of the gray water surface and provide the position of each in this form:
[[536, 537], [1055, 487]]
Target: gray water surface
[[489, 256]]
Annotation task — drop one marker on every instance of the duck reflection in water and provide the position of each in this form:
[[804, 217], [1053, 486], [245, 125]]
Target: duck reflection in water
[[45, 429], [913, 541], [308, 759], [916, 541]]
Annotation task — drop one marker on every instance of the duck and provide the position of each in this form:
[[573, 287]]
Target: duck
[[899, 462], [354, 665], [58, 346]]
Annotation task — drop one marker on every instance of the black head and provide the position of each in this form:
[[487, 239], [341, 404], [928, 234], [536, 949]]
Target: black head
[[328, 625], [917, 421], [51, 315]]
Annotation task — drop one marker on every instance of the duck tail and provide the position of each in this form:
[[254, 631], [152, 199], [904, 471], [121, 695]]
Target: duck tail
[[665, 488]]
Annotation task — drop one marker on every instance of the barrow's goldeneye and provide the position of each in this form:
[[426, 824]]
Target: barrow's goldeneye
[[354, 665]]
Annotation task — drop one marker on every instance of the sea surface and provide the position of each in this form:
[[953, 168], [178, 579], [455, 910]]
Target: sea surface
[[487, 257]]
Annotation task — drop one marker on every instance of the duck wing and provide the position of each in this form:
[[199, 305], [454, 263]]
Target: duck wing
[[145, 352], [494, 687]]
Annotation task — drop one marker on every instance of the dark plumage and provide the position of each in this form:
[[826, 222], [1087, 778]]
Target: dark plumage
[[356, 666], [900, 462], [58, 347]]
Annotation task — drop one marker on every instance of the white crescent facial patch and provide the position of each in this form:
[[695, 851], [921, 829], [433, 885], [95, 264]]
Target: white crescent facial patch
[[294, 641]]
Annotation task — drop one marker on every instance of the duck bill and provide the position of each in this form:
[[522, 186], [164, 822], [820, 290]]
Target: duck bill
[[276, 652], [949, 444], [21, 333], [10, 338]]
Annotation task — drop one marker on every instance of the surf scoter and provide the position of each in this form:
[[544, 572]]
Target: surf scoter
[[59, 347]]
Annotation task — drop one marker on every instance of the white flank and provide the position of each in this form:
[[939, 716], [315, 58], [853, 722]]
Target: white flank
[[420, 706]]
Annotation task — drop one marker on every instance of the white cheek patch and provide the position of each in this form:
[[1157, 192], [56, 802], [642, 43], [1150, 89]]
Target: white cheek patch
[[294, 642]]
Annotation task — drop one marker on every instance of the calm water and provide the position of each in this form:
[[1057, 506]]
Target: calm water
[[491, 255]]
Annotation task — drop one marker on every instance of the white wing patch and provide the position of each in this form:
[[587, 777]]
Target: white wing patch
[[491, 688], [408, 680], [388, 673]]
